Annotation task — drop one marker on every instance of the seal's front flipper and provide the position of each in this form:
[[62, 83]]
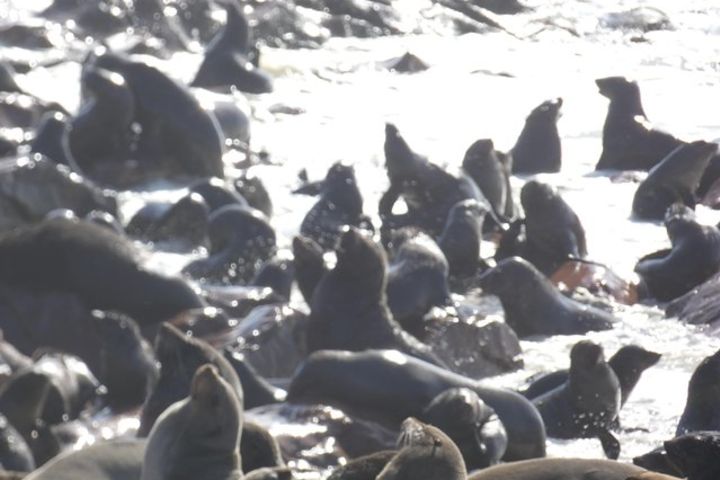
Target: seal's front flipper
[[610, 444]]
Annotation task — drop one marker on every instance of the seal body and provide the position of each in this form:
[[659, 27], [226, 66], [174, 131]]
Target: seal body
[[559, 468], [701, 411], [538, 148], [490, 170]]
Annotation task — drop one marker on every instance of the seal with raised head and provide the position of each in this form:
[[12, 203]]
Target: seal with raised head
[[674, 180], [425, 452], [538, 148], [349, 309], [559, 468], [693, 256], [471, 425], [490, 170], [340, 204], [198, 437], [428, 191], [180, 356], [541, 309], [588, 403], [701, 410], [628, 363], [629, 142], [227, 61], [388, 386]]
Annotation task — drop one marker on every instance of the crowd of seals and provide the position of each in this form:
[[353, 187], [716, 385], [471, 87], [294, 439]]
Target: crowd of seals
[[365, 352]]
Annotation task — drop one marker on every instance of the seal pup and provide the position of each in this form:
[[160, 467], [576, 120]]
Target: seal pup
[[629, 142], [538, 148], [674, 180], [241, 240], [559, 468], [628, 363], [588, 403], [176, 131], [340, 204], [553, 230], [425, 451], [180, 356], [351, 380], [541, 309], [349, 309], [226, 61], [693, 257], [696, 455], [701, 412], [461, 237], [490, 170], [471, 425], [198, 437], [428, 191]]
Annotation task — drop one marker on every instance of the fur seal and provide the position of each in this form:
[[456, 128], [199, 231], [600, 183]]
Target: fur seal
[[183, 224], [553, 230], [253, 190], [696, 455], [425, 452], [490, 170], [588, 403], [674, 180], [309, 265], [559, 468], [538, 148], [51, 139], [227, 62], [241, 240], [175, 129], [349, 308], [693, 258], [350, 380], [256, 390], [340, 204], [198, 437], [428, 191], [628, 363], [461, 237], [542, 309], [473, 426], [629, 142], [93, 263], [701, 412], [180, 356]]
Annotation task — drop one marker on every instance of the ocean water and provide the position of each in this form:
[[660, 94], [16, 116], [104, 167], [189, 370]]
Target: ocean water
[[483, 86]]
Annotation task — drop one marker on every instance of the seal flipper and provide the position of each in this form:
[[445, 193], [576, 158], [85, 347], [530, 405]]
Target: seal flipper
[[610, 443]]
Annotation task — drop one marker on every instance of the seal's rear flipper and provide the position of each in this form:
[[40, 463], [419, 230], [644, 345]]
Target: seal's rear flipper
[[610, 444]]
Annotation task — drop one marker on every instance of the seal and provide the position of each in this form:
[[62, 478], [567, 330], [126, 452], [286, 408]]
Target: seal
[[166, 110], [350, 380], [256, 390], [349, 309], [693, 257], [340, 204], [425, 452], [309, 265], [366, 467], [555, 468], [216, 194], [93, 263], [629, 142], [258, 449], [226, 61], [538, 148], [541, 309], [198, 437], [428, 191], [471, 425], [628, 363], [553, 231], [461, 237], [588, 403], [51, 139], [252, 188], [180, 356], [674, 180], [277, 274], [100, 133], [700, 411], [490, 170], [696, 455], [182, 225], [417, 279], [241, 240]]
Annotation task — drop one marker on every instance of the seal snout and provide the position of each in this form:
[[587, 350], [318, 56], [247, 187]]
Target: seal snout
[[205, 382]]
